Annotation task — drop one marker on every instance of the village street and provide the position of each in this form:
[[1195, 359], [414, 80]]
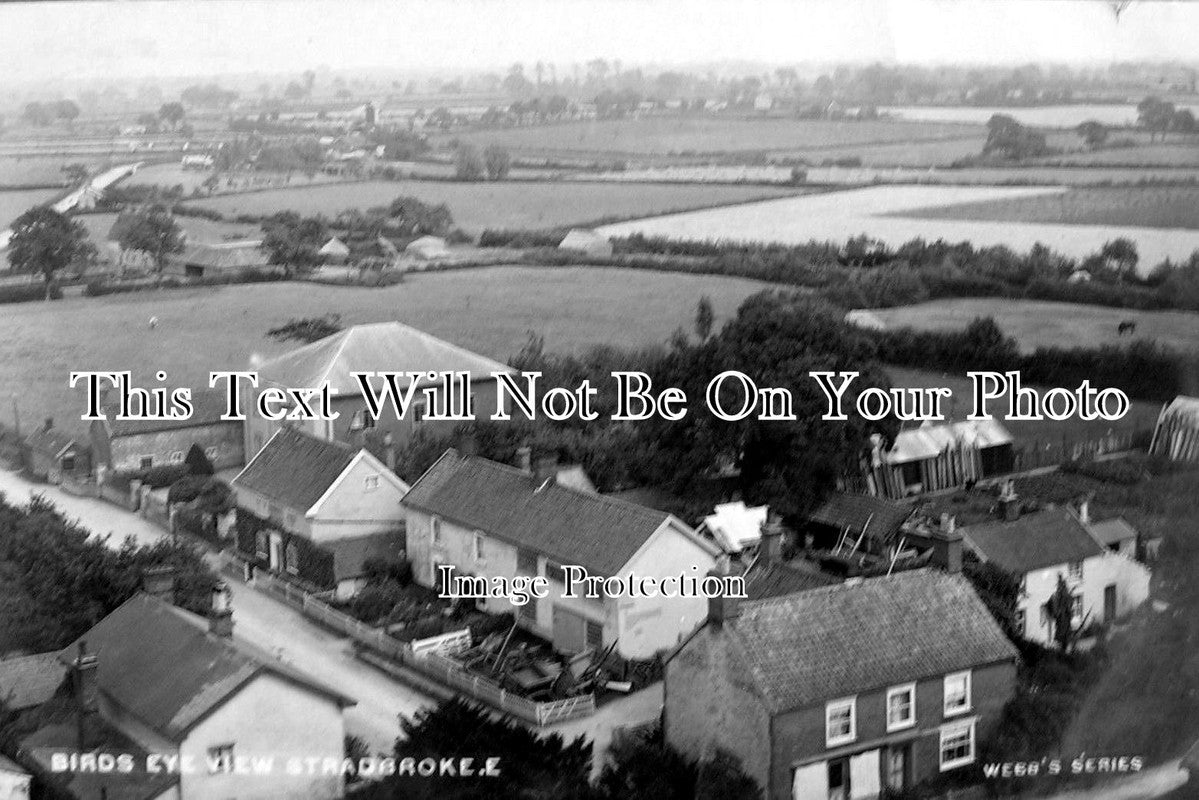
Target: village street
[[268, 623]]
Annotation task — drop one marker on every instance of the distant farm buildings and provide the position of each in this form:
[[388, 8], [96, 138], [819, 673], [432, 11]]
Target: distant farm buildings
[[334, 251], [587, 242], [206, 260], [428, 248]]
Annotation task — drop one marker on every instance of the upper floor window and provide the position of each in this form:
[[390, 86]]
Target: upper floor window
[[1074, 571], [901, 707], [957, 745], [176, 457], [526, 561], [220, 758], [435, 529], [957, 693], [479, 552], [370, 483], [840, 721]]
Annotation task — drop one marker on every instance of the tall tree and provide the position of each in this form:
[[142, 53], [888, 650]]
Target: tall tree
[[294, 242], [704, 318], [46, 241], [1060, 610], [497, 162], [468, 163], [151, 229], [172, 113]]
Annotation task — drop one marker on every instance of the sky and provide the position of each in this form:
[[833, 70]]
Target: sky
[[69, 40]]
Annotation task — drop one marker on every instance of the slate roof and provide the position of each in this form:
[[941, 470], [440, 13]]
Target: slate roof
[[51, 442], [207, 407], [160, 663], [28, 681], [855, 511], [1112, 531], [765, 580], [1033, 541], [295, 469], [378, 347], [821, 644], [594, 531]]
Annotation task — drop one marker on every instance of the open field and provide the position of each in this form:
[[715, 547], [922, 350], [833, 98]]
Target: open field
[[1141, 415], [196, 229], [41, 170], [1146, 207], [882, 212], [15, 203], [666, 135], [1060, 116], [1036, 323], [512, 204], [486, 310], [1174, 153]]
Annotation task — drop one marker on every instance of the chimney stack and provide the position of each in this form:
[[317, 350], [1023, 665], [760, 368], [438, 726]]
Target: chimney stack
[[947, 545], [1009, 502], [220, 617], [524, 458], [1084, 510], [546, 469], [86, 691], [722, 609], [159, 583], [771, 548]]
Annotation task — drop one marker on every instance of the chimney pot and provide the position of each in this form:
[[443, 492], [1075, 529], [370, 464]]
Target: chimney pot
[[84, 674], [771, 548], [159, 582], [524, 458], [722, 609], [546, 469], [1084, 511], [220, 617]]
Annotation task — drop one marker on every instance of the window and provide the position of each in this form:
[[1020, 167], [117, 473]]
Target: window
[[435, 529], [147, 462], [68, 463], [211, 452], [593, 635], [370, 483], [361, 421], [479, 555], [957, 693], [176, 457], [528, 612], [839, 721], [1074, 571], [260, 545], [526, 561], [901, 707], [1020, 622], [1076, 607], [292, 558], [220, 758], [553, 571], [957, 745]]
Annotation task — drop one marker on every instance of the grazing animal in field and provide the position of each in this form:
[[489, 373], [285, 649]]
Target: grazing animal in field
[[1127, 326], [153, 323]]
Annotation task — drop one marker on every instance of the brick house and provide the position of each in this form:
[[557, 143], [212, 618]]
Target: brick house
[[842, 691], [378, 347], [492, 520], [131, 445], [317, 510], [1038, 547]]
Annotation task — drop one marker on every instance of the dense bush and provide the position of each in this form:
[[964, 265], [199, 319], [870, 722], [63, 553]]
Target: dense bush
[[158, 477], [26, 292]]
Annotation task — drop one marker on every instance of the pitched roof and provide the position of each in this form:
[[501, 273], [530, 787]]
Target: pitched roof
[[766, 579], [1033, 541], [160, 663], [596, 532], [857, 511], [207, 407], [28, 681], [929, 440], [225, 255], [836, 641], [52, 441], [295, 469], [334, 247], [381, 346], [1111, 531]]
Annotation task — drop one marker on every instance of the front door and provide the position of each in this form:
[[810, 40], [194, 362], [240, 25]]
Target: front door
[[838, 779], [897, 767], [1109, 603], [276, 552]]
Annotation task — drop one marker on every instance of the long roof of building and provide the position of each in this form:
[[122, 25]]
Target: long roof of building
[[207, 407], [1046, 538], [930, 440], [841, 640], [295, 469], [161, 664], [377, 347], [594, 531]]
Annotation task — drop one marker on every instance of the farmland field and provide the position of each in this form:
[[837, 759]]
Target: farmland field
[[512, 204], [1148, 207], [1175, 153], [1035, 323], [15, 203], [1062, 116], [41, 170], [883, 212], [487, 310], [667, 135]]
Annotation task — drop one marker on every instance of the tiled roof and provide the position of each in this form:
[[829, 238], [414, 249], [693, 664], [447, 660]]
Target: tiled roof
[[596, 532], [766, 579], [856, 511], [52, 441], [1033, 541], [840, 640], [295, 469], [161, 664], [207, 407], [383, 346], [1111, 531], [27, 681]]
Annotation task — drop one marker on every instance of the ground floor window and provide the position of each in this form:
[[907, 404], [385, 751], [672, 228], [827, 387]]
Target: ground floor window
[[838, 779], [957, 745]]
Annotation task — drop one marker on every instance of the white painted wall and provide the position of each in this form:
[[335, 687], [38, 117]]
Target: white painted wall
[[1130, 577], [353, 509]]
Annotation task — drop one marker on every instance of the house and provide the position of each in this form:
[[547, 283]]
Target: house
[[131, 445], [219, 259], [932, 457], [735, 526], [15, 782], [844, 690], [428, 248], [1116, 535], [378, 347], [153, 678], [318, 510], [1176, 435], [334, 251], [587, 242], [495, 521], [52, 454], [1042, 546], [770, 575]]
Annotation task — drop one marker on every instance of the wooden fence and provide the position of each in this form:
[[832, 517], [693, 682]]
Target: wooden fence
[[1039, 453]]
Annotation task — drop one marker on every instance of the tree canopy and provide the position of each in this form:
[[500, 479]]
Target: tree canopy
[[151, 229], [46, 241]]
